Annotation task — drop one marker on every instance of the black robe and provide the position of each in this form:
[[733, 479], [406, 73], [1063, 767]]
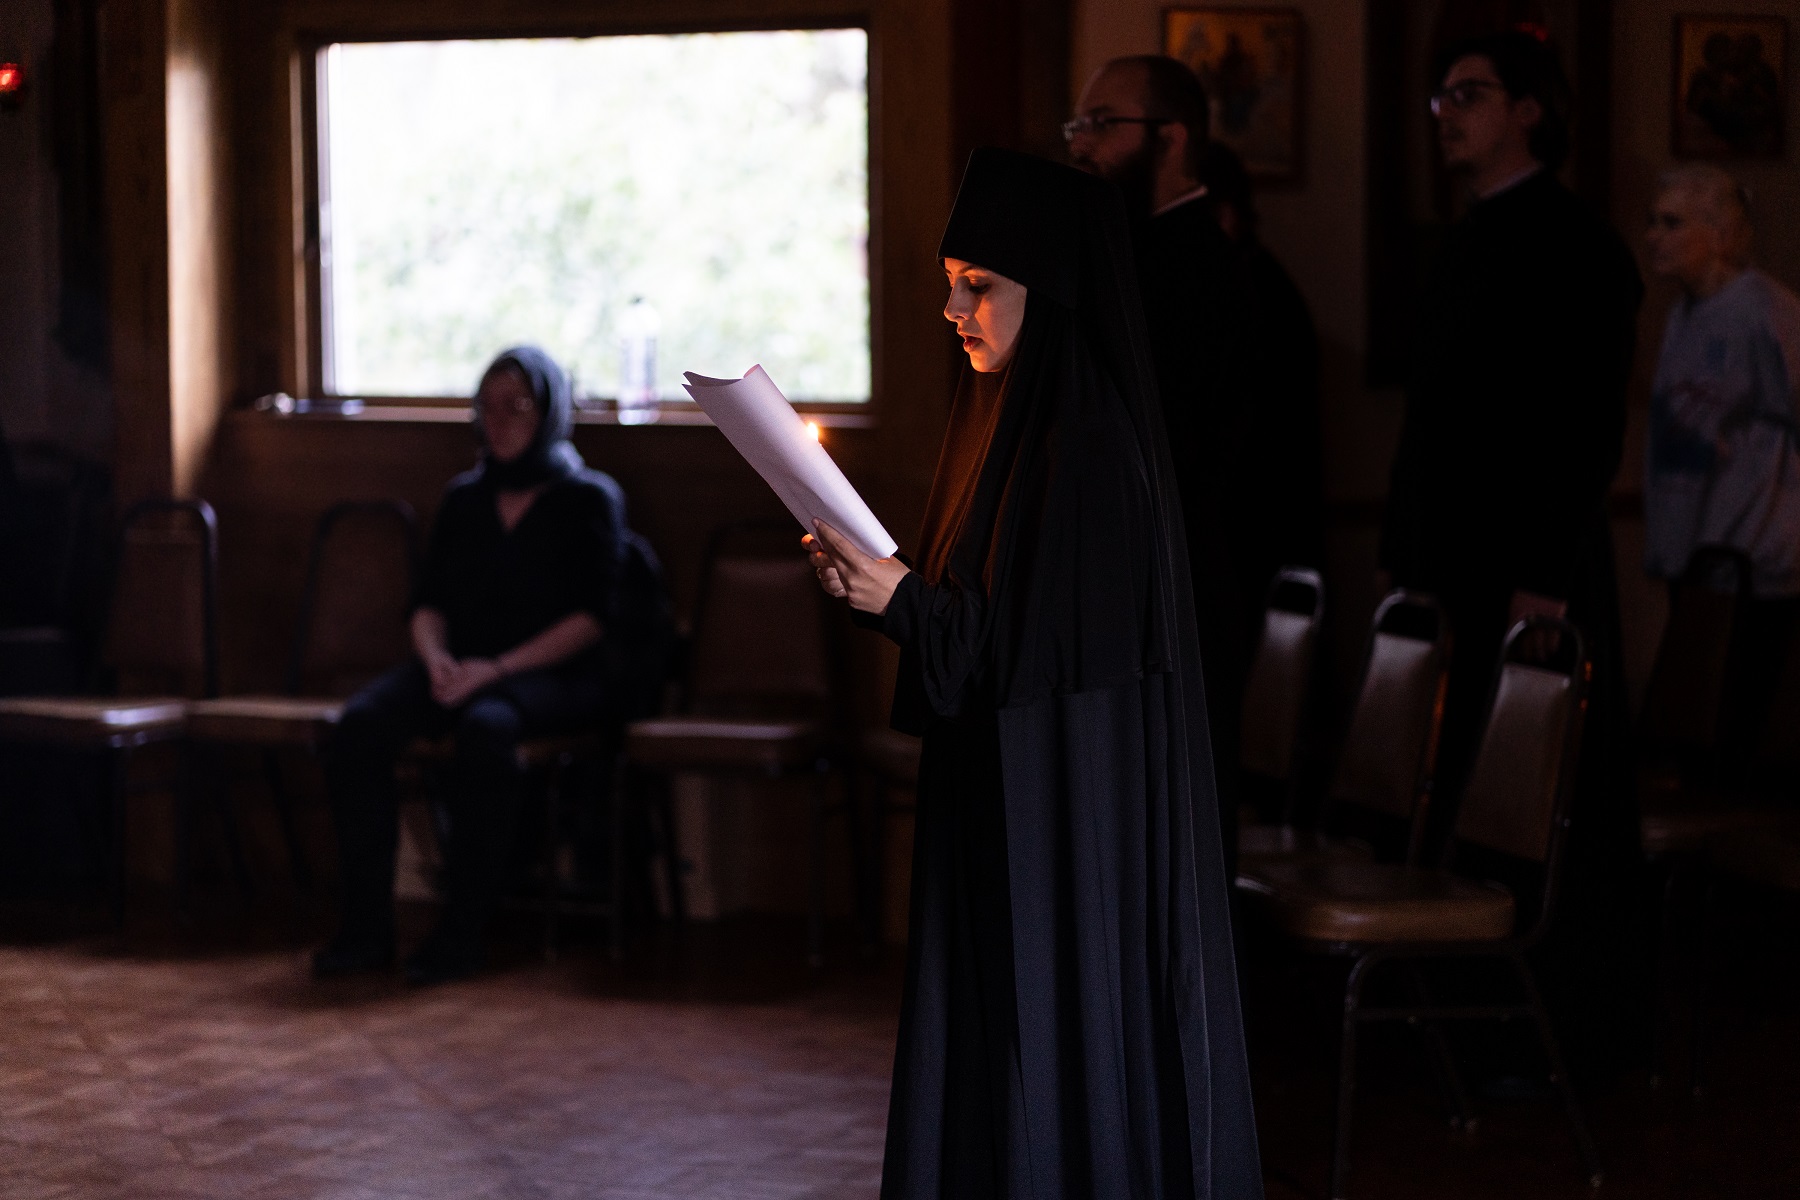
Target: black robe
[[1194, 288], [1277, 483], [1070, 1026], [1514, 428], [1237, 367]]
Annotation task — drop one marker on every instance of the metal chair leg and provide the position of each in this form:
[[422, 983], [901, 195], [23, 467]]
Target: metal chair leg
[[1346, 1093], [1559, 1074], [815, 922], [1663, 1007], [1462, 1114], [664, 810], [186, 820], [859, 863], [878, 818], [1702, 991], [228, 822], [659, 821], [552, 822], [616, 849], [119, 783], [284, 814]]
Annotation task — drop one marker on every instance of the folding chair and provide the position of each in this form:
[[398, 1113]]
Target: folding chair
[[1680, 788], [762, 693], [352, 626], [162, 648], [1278, 696], [1686, 794], [1515, 806], [1383, 777], [54, 539]]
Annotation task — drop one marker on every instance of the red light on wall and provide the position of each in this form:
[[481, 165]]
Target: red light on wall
[[12, 79]]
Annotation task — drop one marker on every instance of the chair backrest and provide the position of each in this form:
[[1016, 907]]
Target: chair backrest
[[1390, 746], [762, 643], [163, 631], [359, 585], [640, 635], [1779, 738], [1281, 675], [1684, 699], [53, 539], [1517, 796]]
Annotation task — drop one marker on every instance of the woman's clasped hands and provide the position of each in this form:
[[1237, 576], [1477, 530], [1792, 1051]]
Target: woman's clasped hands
[[849, 574], [454, 681]]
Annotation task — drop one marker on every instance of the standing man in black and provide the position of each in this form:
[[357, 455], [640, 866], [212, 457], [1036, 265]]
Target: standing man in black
[[1277, 474], [1140, 124], [1238, 447], [1514, 426]]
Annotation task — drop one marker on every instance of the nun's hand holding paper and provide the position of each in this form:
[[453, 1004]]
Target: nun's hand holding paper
[[849, 574]]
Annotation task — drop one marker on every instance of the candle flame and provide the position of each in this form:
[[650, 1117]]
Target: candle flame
[[812, 427]]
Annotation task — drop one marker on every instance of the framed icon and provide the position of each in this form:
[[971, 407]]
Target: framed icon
[[1250, 61], [1730, 86]]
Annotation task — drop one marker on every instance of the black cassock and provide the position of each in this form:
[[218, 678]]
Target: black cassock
[[1070, 1025], [1237, 369], [1514, 427], [1237, 366]]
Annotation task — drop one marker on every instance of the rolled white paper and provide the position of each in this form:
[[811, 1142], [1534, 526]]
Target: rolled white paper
[[763, 427]]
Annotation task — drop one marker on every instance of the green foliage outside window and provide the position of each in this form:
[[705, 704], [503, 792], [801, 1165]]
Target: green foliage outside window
[[483, 193]]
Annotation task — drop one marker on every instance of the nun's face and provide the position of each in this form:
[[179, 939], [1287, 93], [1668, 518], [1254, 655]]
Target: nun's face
[[988, 310], [509, 416]]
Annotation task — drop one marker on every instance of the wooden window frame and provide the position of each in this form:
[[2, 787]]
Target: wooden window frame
[[310, 295]]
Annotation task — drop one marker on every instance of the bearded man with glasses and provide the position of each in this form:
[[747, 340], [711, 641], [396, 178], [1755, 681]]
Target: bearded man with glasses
[[1141, 124], [1515, 423]]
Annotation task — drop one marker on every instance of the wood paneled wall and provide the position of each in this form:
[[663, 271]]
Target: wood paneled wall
[[201, 241], [165, 79], [133, 51]]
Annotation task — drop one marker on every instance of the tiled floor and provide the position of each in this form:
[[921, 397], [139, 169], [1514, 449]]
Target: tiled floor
[[236, 1076], [707, 1066]]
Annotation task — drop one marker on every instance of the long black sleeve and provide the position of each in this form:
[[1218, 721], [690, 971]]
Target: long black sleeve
[[941, 630]]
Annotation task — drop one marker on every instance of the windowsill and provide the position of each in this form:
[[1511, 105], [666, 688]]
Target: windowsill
[[432, 414]]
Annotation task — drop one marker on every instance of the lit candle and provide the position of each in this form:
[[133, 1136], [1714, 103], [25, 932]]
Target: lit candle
[[812, 427]]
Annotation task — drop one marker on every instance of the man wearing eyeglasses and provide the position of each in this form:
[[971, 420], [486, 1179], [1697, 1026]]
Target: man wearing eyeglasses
[[1515, 423], [1141, 123], [1236, 358]]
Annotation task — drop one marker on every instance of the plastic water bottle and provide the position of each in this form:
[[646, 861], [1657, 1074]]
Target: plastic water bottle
[[638, 328]]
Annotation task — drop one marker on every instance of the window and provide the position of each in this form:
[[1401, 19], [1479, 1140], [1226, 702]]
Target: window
[[711, 188]]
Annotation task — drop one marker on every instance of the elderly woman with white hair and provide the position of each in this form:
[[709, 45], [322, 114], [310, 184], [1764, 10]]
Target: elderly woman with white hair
[[1724, 446]]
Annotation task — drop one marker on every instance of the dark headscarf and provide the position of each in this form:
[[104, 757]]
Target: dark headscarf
[[550, 455], [1084, 578]]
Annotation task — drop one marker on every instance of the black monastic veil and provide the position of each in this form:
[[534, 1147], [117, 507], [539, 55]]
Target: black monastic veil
[[1071, 1025]]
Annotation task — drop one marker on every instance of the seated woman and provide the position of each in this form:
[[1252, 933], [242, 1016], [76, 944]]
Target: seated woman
[[1070, 1025], [528, 562]]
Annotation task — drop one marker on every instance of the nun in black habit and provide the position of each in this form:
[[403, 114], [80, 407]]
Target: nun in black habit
[[1070, 1026]]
